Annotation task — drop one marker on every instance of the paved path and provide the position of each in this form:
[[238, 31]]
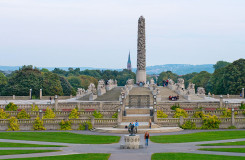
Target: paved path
[[122, 154]]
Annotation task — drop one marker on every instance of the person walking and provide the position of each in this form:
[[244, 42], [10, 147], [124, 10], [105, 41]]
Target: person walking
[[150, 124], [136, 126], [147, 136]]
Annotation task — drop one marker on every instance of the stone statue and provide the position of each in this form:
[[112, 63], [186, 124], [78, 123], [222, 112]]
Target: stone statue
[[92, 89], [131, 130], [101, 87], [191, 89], [152, 81], [170, 82], [130, 82], [200, 91]]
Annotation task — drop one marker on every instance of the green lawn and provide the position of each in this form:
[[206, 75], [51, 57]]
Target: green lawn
[[10, 152], [9, 144], [192, 156], [89, 156], [197, 137], [238, 150], [63, 137], [239, 143]]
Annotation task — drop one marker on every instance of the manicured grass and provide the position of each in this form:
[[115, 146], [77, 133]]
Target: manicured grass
[[63, 137], [197, 137], [89, 156], [11, 152], [239, 143], [8, 144], [192, 156], [238, 150]]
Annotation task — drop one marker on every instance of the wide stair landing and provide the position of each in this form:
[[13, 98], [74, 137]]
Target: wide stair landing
[[112, 95], [166, 92], [142, 115]]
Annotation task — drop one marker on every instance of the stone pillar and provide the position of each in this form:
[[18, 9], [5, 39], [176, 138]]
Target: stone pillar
[[13, 97], [155, 115], [56, 102], [41, 93], [221, 101], [70, 96], [213, 95], [243, 93], [30, 94], [141, 58], [79, 106], [228, 96], [119, 117], [181, 120], [40, 113], [92, 121], [101, 106], [232, 117]]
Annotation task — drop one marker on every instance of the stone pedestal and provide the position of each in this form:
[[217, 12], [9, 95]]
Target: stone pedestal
[[140, 76], [92, 97], [131, 142]]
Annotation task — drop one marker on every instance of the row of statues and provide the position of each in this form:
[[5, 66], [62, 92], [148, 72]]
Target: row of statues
[[93, 92]]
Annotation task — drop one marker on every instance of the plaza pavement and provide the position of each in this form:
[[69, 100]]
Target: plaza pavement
[[122, 154]]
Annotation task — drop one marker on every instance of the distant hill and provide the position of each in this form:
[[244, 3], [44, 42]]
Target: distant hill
[[180, 69]]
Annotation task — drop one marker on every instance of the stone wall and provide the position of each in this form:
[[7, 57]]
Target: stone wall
[[28, 97], [53, 124]]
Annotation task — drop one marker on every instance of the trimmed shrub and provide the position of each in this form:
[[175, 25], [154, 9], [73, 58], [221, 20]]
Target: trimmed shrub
[[180, 112], [210, 122], [97, 114], [23, 115], [38, 124], [74, 114], [242, 106], [65, 125], [115, 115], [227, 113], [13, 124], [82, 126], [175, 106], [3, 114], [198, 114], [161, 114], [189, 125], [49, 114], [34, 108], [11, 107], [232, 127]]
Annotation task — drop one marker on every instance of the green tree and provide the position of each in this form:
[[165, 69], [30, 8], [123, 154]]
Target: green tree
[[221, 64], [201, 79], [67, 88], [51, 84], [165, 76], [22, 81]]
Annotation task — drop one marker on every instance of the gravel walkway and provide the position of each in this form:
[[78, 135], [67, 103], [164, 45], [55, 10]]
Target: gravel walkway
[[123, 154]]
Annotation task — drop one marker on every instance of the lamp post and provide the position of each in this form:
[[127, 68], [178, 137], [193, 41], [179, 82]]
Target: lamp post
[[221, 101], [30, 94], [226, 104]]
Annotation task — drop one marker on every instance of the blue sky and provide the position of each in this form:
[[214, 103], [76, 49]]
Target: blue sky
[[100, 33]]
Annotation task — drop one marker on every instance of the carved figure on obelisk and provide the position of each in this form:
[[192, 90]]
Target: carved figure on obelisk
[[141, 58], [141, 44]]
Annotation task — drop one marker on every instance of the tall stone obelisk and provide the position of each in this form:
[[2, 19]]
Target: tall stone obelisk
[[141, 71]]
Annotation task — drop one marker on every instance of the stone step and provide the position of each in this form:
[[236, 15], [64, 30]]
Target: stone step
[[138, 118], [142, 125], [138, 111], [140, 131], [137, 115]]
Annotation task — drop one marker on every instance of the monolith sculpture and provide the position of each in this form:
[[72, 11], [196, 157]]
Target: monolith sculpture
[[141, 71]]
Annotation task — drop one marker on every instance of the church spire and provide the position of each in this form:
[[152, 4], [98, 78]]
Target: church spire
[[129, 62]]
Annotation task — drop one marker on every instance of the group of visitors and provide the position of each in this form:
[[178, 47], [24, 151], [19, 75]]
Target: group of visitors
[[173, 98], [165, 83], [135, 126], [141, 84]]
